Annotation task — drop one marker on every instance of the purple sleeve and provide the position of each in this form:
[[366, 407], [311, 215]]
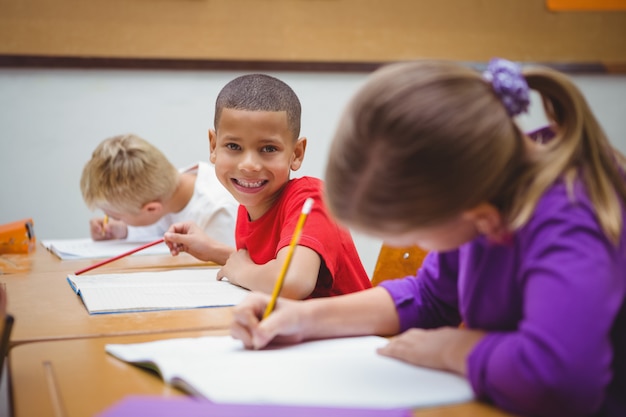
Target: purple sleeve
[[558, 360], [430, 299]]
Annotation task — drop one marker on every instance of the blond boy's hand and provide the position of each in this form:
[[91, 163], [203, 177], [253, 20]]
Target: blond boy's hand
[[114, 229]]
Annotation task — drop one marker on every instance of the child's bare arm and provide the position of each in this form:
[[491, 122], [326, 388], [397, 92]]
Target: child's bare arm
[[300, 279], [361, 313]]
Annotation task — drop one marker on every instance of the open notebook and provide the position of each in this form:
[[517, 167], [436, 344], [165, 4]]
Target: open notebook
[[158, 290], [343, 372], [89, 249]]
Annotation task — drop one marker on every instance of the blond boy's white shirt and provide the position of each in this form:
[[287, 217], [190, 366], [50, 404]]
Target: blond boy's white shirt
[[211, 207]]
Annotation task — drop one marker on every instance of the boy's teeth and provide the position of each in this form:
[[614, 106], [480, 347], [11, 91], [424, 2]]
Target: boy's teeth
[[250, 184]]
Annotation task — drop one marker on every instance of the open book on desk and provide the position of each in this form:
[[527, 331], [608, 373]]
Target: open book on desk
[[343, 372], [88, 248], [159, 290]]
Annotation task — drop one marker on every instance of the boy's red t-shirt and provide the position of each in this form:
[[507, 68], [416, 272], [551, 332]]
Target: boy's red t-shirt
[[341, 272]]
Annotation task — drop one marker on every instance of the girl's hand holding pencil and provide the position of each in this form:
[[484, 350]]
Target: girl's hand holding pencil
[[283, 326]]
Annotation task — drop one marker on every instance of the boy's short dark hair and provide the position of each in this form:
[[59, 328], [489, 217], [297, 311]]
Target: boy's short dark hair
[[260, 92]]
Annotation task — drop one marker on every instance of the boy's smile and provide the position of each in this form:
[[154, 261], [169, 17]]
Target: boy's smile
[[254, 153]]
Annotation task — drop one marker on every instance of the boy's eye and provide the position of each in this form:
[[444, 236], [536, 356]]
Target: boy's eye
[[233, 146], [269, 148]]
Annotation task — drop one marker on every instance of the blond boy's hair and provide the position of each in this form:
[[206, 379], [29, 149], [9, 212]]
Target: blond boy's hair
[[126, 172]]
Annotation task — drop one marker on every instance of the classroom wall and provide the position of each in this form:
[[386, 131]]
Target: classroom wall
[[51, 120]]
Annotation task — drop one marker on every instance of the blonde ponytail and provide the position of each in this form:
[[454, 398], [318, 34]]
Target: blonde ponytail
[[580, 148]]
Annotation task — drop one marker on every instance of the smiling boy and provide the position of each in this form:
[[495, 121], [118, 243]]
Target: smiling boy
[[255, 145]]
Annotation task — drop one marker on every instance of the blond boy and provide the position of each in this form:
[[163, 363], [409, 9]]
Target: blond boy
[[142, 193]]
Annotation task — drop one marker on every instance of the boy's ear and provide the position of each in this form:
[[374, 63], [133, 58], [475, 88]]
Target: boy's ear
[[298, 154], [212, 145], [152, 207], [489, 222]]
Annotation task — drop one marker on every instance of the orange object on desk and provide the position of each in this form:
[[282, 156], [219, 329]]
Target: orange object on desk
[[17, 237]]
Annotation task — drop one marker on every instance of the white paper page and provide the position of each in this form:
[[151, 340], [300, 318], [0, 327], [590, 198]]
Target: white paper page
[[344, 372], [89, 249], [159, 290]]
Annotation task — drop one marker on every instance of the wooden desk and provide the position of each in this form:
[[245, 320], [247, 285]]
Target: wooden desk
[[77, 378], [45, 307], [42, 260], [58, 358]]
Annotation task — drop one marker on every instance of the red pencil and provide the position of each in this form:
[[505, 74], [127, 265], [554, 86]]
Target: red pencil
[[115, 258]]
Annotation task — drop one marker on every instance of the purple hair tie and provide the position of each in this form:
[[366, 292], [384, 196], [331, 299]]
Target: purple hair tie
[[509, 85]]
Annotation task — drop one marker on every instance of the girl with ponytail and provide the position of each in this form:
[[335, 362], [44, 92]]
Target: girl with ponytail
[[527, 240]]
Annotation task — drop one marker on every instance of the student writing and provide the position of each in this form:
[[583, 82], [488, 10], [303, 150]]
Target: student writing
[[143, 193], [255, 146], [527, 240]]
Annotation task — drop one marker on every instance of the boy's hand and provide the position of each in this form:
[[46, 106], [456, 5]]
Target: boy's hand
[[283, 325], [189, 237], [238, 264], [299, 282], [114, 229]]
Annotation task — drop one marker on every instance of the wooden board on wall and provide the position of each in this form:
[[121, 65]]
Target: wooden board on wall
[[310, 30]]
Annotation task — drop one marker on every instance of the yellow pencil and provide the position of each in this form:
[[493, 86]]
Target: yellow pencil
[[104, 224], [306, 209]]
